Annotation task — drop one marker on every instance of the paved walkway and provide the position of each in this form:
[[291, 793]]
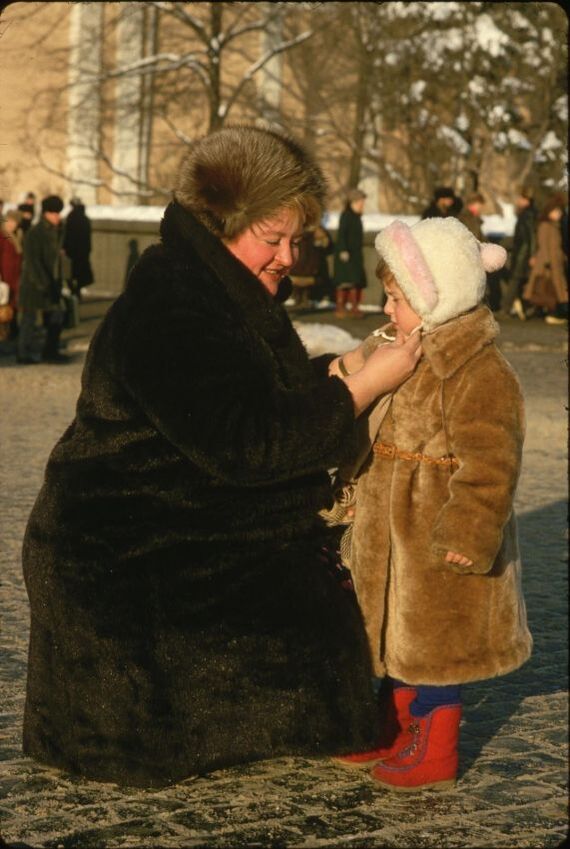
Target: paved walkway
[[512, 789]]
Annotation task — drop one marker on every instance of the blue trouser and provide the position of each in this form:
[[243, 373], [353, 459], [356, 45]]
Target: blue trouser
[[429, 697]]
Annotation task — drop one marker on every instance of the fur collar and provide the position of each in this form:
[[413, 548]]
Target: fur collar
[[452, 344], [183, 235]]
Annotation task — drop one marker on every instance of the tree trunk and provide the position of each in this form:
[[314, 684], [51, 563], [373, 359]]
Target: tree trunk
[[147, 96], [359, 128], [214, 66]]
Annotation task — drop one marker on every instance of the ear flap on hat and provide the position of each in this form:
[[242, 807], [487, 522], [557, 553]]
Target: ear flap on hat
[[414, 261], [493, 256]]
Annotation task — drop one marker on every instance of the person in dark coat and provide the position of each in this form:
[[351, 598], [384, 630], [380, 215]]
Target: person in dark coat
[[443, 203], [40, 288], [26, 211], [310, 274], [181, 617], [349, 275], [133, 257], [77, 247], [470, 215], [523, 248]]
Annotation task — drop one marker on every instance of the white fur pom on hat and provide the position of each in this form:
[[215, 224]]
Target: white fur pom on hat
[[439, 265]]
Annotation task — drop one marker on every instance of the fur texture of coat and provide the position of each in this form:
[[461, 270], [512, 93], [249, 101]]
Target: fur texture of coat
[[180, 618], [429, 621], [240, 175]]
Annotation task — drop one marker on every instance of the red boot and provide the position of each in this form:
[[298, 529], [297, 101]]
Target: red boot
[[354, 299], [431, 760], [395, 730]]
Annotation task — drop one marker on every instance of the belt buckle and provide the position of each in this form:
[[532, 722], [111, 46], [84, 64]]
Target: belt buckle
[[388, 450]]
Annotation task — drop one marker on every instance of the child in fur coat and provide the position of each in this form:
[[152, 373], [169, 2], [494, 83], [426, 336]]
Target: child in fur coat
[[435, 559]]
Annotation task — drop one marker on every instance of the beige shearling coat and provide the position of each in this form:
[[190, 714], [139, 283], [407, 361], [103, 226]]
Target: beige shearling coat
[[428, 621], [549, 257]]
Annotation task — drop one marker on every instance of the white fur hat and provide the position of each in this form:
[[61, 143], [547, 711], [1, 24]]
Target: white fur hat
[[439, 265]]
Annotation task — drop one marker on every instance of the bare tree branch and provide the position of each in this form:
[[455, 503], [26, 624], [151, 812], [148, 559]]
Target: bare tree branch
[[178, 11], [256, 66]]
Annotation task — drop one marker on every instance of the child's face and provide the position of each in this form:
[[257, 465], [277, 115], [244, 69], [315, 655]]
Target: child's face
[[398, 309]]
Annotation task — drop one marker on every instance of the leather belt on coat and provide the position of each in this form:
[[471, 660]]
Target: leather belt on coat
[[383, 449]]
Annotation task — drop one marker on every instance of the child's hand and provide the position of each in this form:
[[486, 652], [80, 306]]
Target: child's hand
[[453, 557]]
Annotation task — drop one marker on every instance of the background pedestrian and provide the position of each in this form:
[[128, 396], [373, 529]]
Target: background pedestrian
[[470, 215], [441, 204], [349, 274], [40, 288], [77, 247], [523, 248], [310, 274], [11, 262], [26, 211], [547, 286]]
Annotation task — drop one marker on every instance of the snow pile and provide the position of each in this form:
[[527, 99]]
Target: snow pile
[[325, 338], [125, 213], [372, 222]]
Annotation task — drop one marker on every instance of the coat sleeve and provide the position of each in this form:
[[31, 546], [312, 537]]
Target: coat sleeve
[[485, 426], [214, 391], [320, 364]]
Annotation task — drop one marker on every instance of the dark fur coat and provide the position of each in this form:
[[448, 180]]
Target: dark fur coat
[[180, 618], [350, 237]]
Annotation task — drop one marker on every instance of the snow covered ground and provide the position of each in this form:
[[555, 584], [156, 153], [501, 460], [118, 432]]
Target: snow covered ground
[[373, 222]]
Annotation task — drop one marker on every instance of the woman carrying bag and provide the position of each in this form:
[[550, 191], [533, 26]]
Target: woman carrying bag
[[547, 286]]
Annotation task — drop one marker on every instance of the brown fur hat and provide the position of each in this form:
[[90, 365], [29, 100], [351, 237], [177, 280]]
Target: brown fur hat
[[238, 175]]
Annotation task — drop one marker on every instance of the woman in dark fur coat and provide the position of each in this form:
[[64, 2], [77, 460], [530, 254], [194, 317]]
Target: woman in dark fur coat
[[181, 619]]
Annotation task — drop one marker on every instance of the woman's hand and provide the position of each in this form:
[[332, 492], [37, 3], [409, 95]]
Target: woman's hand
[[354, 360], [384, 370]]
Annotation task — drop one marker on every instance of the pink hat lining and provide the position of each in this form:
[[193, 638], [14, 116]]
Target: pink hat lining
[[414, 261]]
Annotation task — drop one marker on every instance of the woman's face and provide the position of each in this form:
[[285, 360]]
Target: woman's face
[[397, 307], [270, 248], [555, 214]]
